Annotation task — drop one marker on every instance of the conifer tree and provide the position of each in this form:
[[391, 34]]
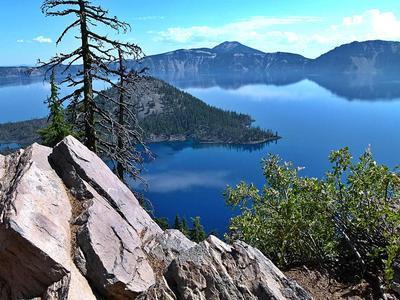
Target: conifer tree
[[58, 127], [181, 225], [162, 222], [185, 228], [197, 233], [177, 223]]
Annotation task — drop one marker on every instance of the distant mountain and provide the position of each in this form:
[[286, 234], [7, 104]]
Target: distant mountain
[[234, 47], [226, 57], [20, 72], [367, 57]]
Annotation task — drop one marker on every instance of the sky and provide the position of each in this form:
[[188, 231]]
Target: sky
[[309, 28]]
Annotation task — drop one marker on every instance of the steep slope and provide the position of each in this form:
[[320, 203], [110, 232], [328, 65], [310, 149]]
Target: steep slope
[[69, 229], [367, 57], [226, 57]]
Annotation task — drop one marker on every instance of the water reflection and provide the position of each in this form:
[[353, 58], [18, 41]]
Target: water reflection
[[311, 114], [173, 148], [16, 81], [351, 86], [354, 86]]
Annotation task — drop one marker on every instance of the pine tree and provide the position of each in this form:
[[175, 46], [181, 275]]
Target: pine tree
[[177, 223], [185, 228], [101, 131], [197, 233], [58, 127], [162, 222], [181, 225]]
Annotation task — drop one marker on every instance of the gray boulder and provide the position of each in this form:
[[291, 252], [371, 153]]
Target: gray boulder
[[72, 159], [166, 247], [215, 270], [70, 229], [112, 226], [2, 166], [113, 257], [35, 235]]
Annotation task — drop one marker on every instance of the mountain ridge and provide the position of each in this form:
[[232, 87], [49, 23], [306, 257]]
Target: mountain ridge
[[371, 56]]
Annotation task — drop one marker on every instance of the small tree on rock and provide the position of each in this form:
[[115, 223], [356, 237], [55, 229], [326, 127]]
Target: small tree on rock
[[58, 127], [197, 233]]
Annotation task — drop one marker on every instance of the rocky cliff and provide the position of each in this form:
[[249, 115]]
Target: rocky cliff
[[69, 229], [225, 58]]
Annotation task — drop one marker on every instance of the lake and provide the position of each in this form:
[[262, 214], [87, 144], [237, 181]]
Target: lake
[[313, 117]]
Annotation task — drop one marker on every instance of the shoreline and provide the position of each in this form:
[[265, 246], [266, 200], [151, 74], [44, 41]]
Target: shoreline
[[205, 142], [5, 149]]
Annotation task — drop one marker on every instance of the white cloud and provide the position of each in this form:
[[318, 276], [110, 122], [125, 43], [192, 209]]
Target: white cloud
[[251, 28], [41, 39], [372, 24], [354, 20], [183, 180], [20, 41], [291, 34]]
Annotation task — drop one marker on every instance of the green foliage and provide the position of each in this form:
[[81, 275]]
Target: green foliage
[[197, 233], [23, 133], [190, 117], [185, 228], [347, 220], [162, 222], [57, 127], [181, 225]]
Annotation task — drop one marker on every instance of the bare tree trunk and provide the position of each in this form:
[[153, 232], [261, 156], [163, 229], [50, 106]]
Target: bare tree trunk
[[90, 132], [120, 142], [113, 135]]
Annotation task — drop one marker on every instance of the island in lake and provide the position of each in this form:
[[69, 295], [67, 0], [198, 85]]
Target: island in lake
[[165, 113]]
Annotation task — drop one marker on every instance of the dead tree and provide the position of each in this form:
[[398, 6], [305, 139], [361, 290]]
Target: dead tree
[[96, 52], [128, 133], [102, 59]]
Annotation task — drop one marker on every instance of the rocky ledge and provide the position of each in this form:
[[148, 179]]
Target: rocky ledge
[[69, 229]]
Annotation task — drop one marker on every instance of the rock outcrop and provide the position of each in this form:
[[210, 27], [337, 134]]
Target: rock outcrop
[[70, 229], [35, 235], [215, 270]]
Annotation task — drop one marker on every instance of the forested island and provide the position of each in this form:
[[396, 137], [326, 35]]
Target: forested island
[[165, 113]]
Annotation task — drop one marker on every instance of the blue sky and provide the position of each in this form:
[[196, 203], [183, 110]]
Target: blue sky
[[305, 27]]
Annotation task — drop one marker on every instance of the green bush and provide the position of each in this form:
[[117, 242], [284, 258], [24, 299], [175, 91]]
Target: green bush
[[347, 221]]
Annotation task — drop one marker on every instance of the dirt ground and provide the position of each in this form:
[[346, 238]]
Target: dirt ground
[[321, 287]]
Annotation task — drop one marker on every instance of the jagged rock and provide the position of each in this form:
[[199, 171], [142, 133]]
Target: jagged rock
[[69, 227], [215, 270], [71, 155], [159, 291], [35, 236], [166, 247], [2, 166], [113, 227], [114, 260]]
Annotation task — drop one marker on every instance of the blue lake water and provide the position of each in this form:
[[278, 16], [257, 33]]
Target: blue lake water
[[188, 179]]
